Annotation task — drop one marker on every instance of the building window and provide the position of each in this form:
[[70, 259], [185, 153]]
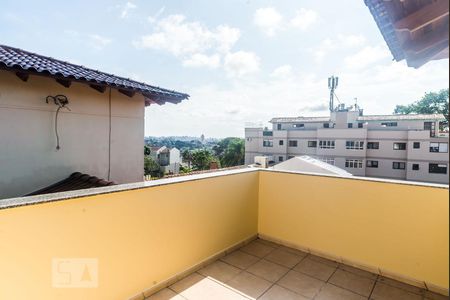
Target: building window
[[298, 125], [354, 163], [267, 133], [399, 146], [312, 144], [327, 144], [360, 125], [267, 143], [372, 164], [293, 143], [278, 126], [373, 145], [416, 145], [439, 147], [431, 126], [328, 160], [326, 125], [281, 143], [437, 168], [249, 139], [389, 124], [356, 145], [349, 125], [415, 167], [398, 165], [280, 158]]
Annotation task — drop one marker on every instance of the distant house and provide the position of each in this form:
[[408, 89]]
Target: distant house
[[169, 159], [57, 118]]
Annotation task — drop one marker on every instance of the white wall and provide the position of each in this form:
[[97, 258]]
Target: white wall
[[175, 156], [28, 159]]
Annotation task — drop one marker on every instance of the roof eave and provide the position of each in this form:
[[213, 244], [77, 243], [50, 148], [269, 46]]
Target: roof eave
[[150, 97]]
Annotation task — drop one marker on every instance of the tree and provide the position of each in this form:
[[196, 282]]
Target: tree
[[431, 103], [230, 151], [234, 153], [147, 150], [151, 167], [187, 157], [201, 159]]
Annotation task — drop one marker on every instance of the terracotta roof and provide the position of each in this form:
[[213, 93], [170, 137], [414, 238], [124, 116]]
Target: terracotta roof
[[76, 181], [19, 60], [300, 119], [401, 117], [415, 30]]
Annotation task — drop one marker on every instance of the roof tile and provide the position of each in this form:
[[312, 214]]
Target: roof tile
[[19, 60]]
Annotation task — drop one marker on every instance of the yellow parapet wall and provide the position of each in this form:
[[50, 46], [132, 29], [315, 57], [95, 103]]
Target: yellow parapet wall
[[142, 237], [401, 230], [136, 238]]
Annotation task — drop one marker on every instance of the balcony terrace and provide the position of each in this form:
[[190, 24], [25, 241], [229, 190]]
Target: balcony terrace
[[236, 234]]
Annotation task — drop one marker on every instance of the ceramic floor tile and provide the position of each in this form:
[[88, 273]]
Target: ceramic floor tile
[[358, 284], [268, 270], [315, 269], [240, 259], [300, 283], [249, 284]]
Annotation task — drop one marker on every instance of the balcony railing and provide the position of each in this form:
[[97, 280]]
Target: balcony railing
[[120, 241]]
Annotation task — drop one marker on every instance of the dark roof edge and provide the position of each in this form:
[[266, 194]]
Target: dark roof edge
[[382, 19], [17, 68]]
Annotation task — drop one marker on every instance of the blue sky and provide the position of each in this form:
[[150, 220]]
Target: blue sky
[[241, 61]]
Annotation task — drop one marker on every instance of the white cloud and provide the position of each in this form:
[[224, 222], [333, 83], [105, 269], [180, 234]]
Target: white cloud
[[351, 40], [282, 72], [195, 45], [241, 63], [378, 88], [179, 37], [126, 9], [268, 19], [98, 42], [94, 41], [328, 45], [154, 18], [202, 60], [366, 56], [320, 107], [226, 37], [304, 18]]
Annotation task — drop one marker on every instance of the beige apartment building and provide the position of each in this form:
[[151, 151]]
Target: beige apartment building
[[405, 147]]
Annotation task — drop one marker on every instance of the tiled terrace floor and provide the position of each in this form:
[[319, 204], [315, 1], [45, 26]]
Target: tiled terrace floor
[[264, 270]]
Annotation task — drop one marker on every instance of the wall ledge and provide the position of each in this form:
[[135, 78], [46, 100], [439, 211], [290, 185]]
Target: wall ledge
[[40, 199]]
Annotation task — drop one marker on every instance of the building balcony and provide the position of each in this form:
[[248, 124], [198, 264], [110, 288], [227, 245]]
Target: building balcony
[[240, 234]]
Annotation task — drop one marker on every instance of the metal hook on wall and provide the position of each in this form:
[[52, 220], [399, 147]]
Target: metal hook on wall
[[61, 101]]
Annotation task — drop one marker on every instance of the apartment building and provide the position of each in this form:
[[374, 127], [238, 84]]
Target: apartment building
[[406, 147]]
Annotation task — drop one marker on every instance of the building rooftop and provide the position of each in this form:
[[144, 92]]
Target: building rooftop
[[300, 119], [76, 181], [408, 117], [361, 118], [266, 270], [24, 63], [305, 163]]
